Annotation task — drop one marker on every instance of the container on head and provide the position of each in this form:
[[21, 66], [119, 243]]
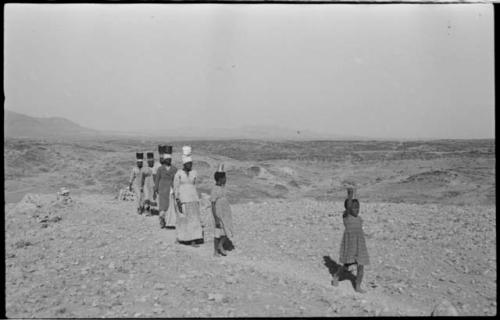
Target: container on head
[[186, 151]]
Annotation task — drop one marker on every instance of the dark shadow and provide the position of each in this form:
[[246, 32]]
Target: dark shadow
[[198, 241], [228, 245], [333, 267], [194, 243], [149, 208]]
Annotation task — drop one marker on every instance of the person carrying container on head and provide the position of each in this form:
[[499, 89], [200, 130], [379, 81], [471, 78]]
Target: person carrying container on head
[[164, 179], [147, 183], [221, 211], [136, 181], [188, 224], [353, 246]]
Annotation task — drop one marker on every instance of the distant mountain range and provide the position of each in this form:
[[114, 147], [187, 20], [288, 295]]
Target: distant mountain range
[[17, 125]]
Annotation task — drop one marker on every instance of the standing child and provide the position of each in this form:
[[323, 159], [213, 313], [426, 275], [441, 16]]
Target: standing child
[[221, 212], [353, 247]]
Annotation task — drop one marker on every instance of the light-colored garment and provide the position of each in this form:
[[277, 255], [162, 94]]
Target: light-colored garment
[[184, 186], [148, 184], [170, 215], [135, 176], [135, 181], [163, 185], [223, 215], [156, 166], [188, 225]]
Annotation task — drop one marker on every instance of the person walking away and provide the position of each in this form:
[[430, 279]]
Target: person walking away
[[164, 183], [188, 223], [161, 151], [135, 181], [154, 206], [221, 211], [147, 183], [353, 246]]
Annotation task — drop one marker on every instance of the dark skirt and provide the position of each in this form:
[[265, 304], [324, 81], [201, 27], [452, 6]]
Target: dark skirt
[[163, 198]]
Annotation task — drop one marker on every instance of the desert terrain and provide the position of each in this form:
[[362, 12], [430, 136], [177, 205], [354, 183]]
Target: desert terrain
[[429, 212]]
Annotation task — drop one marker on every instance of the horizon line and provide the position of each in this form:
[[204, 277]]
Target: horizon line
[[321, 136]]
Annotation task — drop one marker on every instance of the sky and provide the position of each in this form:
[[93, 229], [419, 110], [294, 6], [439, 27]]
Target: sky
[[378, 71]]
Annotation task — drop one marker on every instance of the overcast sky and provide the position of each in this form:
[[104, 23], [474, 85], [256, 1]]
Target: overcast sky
[[381, 71]]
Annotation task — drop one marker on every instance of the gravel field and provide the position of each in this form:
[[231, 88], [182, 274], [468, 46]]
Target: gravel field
[[96, 258]]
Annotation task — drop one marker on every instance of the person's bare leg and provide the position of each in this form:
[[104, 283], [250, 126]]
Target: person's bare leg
[[359, 279], [161, 216], [216, 247]]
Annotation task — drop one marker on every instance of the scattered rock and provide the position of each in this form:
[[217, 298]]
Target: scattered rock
[[23, 244], [158, 310], [231, 280], [30, 202], [444, 308], [217, 297], [102, 244], [122, 269], [159, 286], [55, 219], [63, 196]]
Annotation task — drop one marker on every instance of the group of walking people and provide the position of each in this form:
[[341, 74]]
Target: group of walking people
[[161, 187], [172, 192]]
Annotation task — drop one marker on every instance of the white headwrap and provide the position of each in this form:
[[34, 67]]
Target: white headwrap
[[186, 150], [186, 154]]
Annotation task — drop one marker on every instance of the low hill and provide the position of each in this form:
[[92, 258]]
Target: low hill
[[17, 125], [268, 133]]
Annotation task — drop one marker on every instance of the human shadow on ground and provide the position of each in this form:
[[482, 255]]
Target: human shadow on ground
[[333, 267]]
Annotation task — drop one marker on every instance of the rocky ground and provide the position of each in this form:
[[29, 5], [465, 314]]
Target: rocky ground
[[422, 172], [95, 257]]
